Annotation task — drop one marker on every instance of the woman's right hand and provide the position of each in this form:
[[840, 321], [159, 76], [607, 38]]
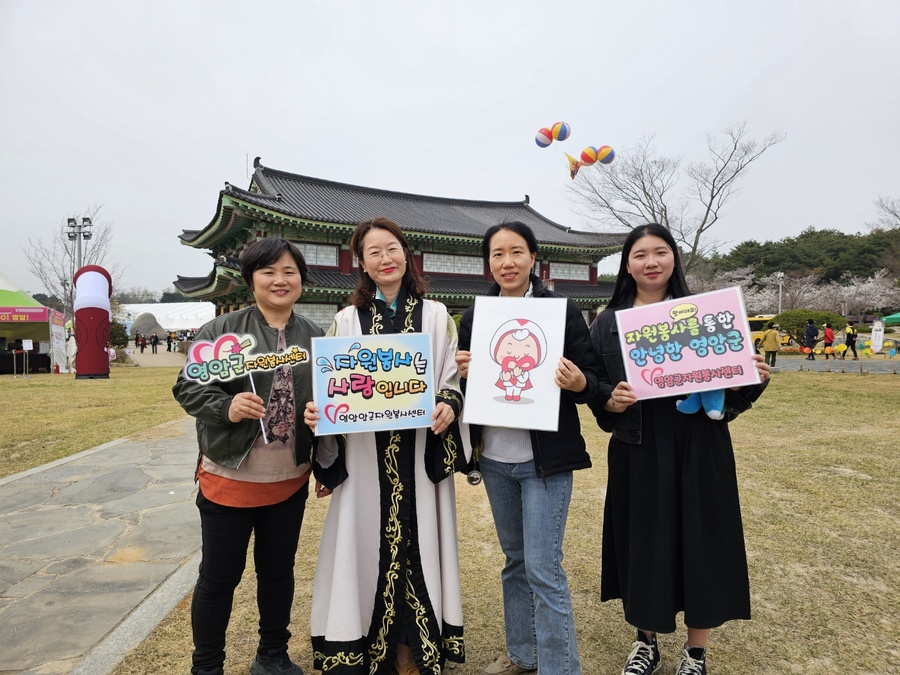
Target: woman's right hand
[[622, 397], [246, 406], [462, 363], [311, 416]]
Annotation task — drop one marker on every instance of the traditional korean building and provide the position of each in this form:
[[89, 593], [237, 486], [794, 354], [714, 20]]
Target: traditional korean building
[[444, 235]]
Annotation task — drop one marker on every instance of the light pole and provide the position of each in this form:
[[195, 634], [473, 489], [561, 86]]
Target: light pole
[[77, 232], [780, 277]]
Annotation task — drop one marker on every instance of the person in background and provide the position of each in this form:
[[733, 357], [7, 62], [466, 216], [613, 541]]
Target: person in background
[[673, 538], [850, 340], [771, 343], [528, 476], [812, 335], [828, 341], [386, 595], [168, 342], [154, 343], [252, 482]]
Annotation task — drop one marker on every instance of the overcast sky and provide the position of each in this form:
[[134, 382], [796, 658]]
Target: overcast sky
[[148, 108]]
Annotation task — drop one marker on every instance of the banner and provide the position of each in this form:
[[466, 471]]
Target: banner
[[24, 314], [696, 343], [516, 346], [373, 382]]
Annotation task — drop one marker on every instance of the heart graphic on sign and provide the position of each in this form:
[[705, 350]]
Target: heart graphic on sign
[[332, 411], [649, 375], [203, 351]]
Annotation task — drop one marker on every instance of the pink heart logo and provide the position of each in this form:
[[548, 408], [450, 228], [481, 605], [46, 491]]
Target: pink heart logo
[[649, 376], [332, 411], [203, 351]]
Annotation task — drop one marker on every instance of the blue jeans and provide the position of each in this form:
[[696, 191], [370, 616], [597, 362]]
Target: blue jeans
[[530, 516]]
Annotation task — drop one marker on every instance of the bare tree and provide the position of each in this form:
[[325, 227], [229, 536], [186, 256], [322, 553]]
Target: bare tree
[[53, 261], [640, 187], [888, 214]]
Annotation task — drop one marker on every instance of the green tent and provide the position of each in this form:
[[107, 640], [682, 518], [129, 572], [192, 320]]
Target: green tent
[[893, 318], [24, 318]]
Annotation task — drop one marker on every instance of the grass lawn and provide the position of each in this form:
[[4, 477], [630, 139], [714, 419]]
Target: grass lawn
[[47, 417], [819, 471]]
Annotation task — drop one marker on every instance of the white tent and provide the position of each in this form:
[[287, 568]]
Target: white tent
[[170, 315]]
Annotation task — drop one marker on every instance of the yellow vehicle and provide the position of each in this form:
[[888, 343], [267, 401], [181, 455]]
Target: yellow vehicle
[[759, 324]]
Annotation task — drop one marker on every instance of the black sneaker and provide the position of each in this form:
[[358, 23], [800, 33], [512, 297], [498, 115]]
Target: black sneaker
[[693, 661], [274, 662], [644, 658]]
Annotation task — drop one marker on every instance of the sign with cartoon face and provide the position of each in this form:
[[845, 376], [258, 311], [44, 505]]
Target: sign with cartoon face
[[696, 343], [373, 382], [516, 346]]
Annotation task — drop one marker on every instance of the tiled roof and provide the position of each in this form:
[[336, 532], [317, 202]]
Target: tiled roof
[[437, 284], [326, 201]]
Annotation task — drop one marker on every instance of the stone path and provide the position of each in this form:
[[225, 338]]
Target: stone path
[[95, 550]]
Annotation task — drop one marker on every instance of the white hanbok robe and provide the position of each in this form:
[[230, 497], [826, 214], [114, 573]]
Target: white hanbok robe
[[388, 566]]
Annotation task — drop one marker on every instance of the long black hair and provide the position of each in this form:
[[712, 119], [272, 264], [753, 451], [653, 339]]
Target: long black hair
[[626, 288]]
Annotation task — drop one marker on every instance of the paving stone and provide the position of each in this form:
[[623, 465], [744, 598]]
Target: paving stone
[[29, 586], [93, 540], [13, 571], [17, 496], [44, 521], [169, 533], [103, 488]]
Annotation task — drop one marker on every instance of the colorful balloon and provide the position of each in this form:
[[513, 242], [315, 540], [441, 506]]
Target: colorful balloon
[[589, 155], [543, 138], [842, 348], [892, 353], [605, 154], [806, 350], [561, 131]]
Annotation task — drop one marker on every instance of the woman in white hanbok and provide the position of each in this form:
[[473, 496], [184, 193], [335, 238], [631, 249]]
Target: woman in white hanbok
[[386, 595]]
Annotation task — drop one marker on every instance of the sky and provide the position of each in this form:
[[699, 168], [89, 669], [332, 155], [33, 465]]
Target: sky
[[147, 109]]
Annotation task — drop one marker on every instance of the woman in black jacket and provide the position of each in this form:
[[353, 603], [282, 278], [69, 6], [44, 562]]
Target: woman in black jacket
[[672, 534], [528, 476]]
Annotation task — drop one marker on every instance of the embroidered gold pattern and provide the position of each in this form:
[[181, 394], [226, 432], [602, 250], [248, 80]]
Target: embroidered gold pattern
[[454, 645], [410, 306], [339, 659], [393, 535], [430, 651]]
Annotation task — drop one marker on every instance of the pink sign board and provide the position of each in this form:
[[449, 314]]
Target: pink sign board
[[696, 343], [24, 314]]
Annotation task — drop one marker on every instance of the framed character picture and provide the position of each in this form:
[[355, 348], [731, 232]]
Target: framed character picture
[[516, 347]]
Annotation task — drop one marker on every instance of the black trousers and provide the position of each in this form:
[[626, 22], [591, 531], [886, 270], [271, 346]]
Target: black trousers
[[226, 535]]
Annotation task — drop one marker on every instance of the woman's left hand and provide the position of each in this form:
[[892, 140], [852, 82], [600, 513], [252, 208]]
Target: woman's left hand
[[762, 367], [569, 376], [442, 418]]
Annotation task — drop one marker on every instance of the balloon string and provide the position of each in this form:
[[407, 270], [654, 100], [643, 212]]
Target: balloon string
[[261, 425]]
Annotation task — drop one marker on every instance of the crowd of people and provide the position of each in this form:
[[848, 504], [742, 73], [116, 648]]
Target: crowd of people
[[386, 596]]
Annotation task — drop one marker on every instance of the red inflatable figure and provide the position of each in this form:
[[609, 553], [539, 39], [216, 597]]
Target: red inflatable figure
[[93, 289]]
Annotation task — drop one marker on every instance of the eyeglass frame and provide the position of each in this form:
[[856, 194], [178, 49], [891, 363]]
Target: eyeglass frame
[[391, 251]]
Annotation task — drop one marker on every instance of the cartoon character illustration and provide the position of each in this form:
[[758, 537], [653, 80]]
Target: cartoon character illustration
[[713, 402], [518, 346]]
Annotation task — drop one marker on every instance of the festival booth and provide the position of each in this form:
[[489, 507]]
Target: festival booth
[[893, 318], [23, 319]]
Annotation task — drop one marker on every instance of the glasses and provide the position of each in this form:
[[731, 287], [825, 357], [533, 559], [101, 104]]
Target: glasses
[[391, 252]]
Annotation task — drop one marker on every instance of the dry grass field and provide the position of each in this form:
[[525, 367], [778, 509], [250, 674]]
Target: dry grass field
[[47, 417], [819, 471]]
